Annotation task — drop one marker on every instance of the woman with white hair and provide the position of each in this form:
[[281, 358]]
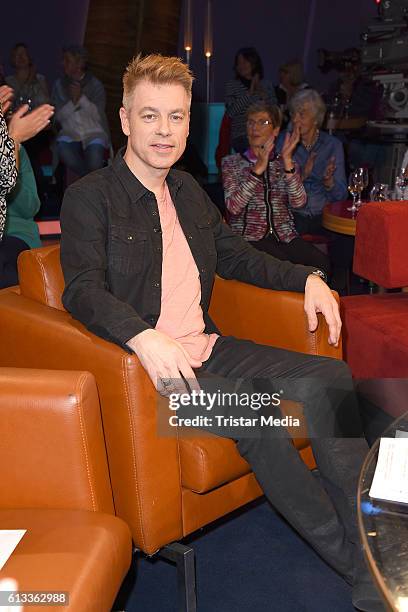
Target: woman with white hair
[[320, 157]]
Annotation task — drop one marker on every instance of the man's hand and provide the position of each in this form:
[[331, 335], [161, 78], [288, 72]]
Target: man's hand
[[165, 361], [328, 178], [308, 167], [263, 153], [319, 298], [6, 97], [23, 126], [289, 145]]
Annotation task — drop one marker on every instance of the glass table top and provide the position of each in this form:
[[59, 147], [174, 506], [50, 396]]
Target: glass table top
[[383, 530]]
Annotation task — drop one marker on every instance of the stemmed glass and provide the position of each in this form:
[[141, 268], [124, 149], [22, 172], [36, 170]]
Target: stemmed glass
[[355, 187], [401, 182], [361, 183], [365, 182], [380, 192]]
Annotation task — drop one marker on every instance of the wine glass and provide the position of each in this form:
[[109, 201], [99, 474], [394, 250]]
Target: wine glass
[[366, 179], [355, 186], [361, 182], [380, 192], [401, 182]]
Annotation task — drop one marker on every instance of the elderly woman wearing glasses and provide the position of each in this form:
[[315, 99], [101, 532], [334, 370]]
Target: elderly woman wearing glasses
[[320, 157], [262, 188]]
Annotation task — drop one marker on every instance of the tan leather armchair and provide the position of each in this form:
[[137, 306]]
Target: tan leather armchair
[[165, 487], [55, 483]]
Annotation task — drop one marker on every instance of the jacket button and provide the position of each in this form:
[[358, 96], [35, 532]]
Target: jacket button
[[190, 237], [157, 284]]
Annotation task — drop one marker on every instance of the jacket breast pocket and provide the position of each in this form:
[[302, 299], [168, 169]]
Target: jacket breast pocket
[[127, 249], [206, 235]]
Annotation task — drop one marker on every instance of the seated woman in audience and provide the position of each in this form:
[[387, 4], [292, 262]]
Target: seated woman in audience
[[20, 231], [320, 157], [261, 190], [245, 89], [79, 99], [8, 165], [22, 197], [29, 86]]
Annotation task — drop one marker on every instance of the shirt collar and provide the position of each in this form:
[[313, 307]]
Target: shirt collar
[[131, 183], [250, 155]]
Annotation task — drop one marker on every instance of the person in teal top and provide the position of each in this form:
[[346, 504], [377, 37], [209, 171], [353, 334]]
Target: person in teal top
[[21, 231]]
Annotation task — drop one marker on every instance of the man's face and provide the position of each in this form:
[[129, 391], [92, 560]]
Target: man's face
[[260, 128], [157, 124]]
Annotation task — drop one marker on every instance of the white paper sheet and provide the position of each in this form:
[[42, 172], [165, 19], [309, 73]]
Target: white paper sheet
[[390, 482], [9, 538]]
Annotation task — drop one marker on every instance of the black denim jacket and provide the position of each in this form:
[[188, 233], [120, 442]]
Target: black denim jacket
[[111, 251]]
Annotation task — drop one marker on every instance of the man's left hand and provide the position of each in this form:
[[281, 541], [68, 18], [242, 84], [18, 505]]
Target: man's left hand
[[319, 298]]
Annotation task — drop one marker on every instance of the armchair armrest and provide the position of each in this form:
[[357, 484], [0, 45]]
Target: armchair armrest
[[270, 317], [144, 465], [52, 450]]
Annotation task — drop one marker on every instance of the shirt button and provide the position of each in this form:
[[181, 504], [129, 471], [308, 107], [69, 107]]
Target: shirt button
[[158, 249], [202, 270], [154, 213], [157, 230], [190, 237], [157, 284]]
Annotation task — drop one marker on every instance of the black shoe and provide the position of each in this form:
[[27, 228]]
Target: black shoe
[[365, 597]]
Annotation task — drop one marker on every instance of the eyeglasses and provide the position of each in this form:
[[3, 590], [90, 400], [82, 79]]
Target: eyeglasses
[[251, 123]]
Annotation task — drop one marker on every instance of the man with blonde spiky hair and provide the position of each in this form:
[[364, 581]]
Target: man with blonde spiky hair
[[140, 246]]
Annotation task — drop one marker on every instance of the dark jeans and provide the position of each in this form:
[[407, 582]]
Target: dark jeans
[[297, 251], [322, 510], [10, 249], [309, 225], [341, 248], [79, 160]]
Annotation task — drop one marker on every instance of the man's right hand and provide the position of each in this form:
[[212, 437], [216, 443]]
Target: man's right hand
[[165, 361]]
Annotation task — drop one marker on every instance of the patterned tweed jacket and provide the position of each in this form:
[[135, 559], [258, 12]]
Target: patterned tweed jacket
[[258, 206], [8, 170]]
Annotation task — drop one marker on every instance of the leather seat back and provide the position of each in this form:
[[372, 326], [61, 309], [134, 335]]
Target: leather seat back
[[40, 275], [66, 470]]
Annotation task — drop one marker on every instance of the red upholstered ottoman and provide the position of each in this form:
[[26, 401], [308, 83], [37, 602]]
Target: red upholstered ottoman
[[375, 335], [376, 326], [381, 245], [375, 342]]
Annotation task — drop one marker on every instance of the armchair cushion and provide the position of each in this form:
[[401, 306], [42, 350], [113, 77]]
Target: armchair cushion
[[85, 553]]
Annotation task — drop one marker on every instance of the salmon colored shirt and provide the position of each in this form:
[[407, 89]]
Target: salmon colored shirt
[[181, 316]]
